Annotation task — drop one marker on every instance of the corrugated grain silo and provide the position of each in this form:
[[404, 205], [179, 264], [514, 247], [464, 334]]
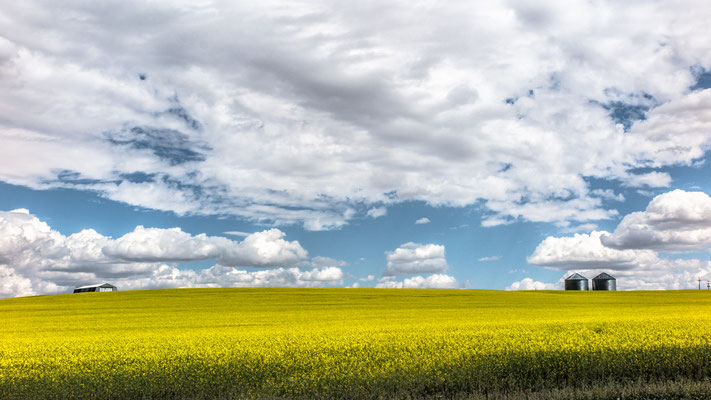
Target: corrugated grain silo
[[576, 282], [604, 282]]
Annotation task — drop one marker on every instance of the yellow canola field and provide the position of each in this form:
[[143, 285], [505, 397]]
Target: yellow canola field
[[345, 343]]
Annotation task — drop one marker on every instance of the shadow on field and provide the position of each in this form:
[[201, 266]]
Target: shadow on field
[[670, 390]]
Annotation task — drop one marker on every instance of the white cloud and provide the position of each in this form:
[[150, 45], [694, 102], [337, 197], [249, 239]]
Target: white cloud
[[236, 233], [388, 283], [377, 212], [368, 278], [650, 179], [665, 275], [34, 259], [530, 284], [423, 220], [262, 249], [165, 276], [490, 258], [332, 111], [580, 209], [607, 194], [634, 268], [415, 258], [319, 262], [27, 242], [676, 220], [676, 129], [586, 251], [259, 249], [12, 284], [677, 274], [154, 244], [435, 281]]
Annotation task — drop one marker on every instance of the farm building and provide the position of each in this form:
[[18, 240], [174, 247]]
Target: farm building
[[604, 282], [576, 282], [100, 287]]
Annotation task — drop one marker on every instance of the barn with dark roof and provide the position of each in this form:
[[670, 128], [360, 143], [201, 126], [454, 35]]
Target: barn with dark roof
[[100, 287]]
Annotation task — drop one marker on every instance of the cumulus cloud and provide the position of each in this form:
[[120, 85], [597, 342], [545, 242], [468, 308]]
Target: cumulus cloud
[[423, 220], [676, 220], [154, 244], [333, 111], [377, 212], [489, 258], [35, 259], [262, 249], [435, 281], [13, 284], [587, 251], [415, 258], [530, 284], [259, 249]]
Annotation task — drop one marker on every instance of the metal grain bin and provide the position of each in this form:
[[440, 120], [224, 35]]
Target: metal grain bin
[[604, 282], [576, 282]]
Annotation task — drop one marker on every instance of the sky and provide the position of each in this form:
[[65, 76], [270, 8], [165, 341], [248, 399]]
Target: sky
[[476, 145]]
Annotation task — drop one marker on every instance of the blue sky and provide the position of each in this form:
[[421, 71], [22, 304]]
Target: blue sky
[[214, 144]]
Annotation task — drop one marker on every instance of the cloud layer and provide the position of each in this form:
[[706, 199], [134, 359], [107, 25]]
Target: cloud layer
[[34, 259], [317, 113]]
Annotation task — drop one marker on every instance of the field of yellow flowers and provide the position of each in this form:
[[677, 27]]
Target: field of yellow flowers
[[352, 343]]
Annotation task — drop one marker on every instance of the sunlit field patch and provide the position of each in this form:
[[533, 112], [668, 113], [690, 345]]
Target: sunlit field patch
[[353, 343]]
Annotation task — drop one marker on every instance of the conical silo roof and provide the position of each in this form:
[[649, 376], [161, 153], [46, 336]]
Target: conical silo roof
[[604, 277], [576, 277]]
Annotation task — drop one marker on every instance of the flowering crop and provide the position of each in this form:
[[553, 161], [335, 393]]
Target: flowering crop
[[345, 343]]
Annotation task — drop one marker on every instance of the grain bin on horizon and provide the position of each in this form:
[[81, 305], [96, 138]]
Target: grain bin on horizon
[[604, 281], [576, 282]]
